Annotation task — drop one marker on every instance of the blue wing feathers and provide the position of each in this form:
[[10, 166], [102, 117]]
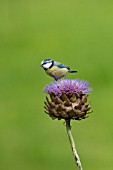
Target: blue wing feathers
[[63, 66]]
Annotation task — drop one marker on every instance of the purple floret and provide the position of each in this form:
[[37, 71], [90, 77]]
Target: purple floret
[[68, 86]]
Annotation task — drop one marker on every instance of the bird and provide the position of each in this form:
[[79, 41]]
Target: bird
[[55, 69]]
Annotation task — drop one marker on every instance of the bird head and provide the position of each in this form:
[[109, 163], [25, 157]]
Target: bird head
[[47, 63]]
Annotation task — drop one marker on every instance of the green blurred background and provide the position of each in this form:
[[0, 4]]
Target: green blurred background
[[79, 34]]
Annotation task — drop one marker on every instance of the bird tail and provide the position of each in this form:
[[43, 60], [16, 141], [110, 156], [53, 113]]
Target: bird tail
[[72, 71]]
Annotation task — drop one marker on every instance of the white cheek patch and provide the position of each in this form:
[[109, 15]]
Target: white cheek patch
[[47, 65]]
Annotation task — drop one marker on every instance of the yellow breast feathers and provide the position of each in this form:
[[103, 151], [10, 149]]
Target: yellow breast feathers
[[57, 72]]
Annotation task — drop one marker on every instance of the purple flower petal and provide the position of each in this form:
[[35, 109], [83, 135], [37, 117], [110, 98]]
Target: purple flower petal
[[68, 86]]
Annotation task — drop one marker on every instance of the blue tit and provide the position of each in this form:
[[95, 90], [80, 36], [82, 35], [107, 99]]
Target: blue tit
[[55, 69]]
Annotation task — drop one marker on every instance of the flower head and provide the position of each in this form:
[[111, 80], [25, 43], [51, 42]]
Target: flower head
[[68, 99], [67, 86]]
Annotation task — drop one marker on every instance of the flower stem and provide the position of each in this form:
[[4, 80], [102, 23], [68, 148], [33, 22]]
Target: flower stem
[[76, 157]]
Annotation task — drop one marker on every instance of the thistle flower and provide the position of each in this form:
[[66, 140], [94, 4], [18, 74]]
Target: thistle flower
[[68, 99]]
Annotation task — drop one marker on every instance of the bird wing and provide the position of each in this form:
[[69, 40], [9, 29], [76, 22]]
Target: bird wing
[[61, 65]]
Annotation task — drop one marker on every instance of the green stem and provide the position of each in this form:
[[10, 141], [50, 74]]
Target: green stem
[[76, 157]]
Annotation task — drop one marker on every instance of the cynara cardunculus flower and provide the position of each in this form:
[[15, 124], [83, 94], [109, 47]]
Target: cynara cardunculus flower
[[68, 99]]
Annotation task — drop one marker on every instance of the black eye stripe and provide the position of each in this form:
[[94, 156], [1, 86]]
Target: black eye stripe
[[46, 62]]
